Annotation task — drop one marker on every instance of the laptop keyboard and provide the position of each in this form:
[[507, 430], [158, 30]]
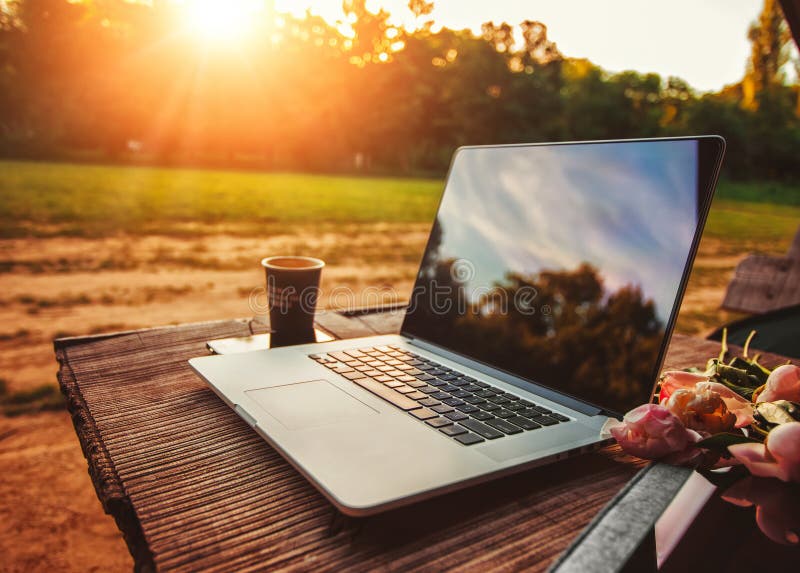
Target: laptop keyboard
[[468, 410]]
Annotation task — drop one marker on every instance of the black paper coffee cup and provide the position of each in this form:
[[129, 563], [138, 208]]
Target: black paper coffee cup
[[292, 293]]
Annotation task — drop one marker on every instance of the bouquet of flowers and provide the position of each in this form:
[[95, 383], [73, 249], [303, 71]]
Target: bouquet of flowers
[[734, 412]]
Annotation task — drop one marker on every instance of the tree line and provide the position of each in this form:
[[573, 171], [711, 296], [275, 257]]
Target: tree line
[[121, 81]]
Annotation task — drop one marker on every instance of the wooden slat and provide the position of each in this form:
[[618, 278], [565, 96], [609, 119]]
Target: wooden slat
[[192, 487], [762, 283]]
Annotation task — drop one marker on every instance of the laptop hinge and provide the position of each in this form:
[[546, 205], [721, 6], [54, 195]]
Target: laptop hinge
[[550, 394]]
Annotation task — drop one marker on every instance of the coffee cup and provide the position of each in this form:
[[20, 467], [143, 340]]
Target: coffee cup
[[292, 292]]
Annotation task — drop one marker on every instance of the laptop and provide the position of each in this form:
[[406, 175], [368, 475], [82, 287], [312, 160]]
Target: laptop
[[543, 305]]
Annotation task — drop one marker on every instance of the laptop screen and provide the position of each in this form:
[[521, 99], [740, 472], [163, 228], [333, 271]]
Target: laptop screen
[[564, 264]]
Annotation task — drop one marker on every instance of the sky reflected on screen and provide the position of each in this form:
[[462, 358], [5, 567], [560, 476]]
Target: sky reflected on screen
[[628, 210]]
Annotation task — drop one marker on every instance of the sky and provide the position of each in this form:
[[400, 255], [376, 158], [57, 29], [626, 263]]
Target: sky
[[703, 42], [627, 209]]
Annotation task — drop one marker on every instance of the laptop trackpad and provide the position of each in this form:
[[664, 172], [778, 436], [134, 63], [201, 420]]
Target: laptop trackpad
[[309, 404]]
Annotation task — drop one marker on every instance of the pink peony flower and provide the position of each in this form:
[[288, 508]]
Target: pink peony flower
[[652, 432], [783, 384], [778, 456], [701, 408], [676, 379]]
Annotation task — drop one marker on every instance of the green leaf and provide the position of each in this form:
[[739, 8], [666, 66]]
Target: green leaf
[[720, 442], [778, 412], [738, 376], [750, 368], [744, 392]]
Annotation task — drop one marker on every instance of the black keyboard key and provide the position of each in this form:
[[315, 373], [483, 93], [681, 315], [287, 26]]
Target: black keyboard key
[[437, 382], [526, 403], [436, 372], [339, 356], [467, 408], [447, 377], [541, 409], [499, 400], [456, 416], [481, 384], [487, 393], [559, 417], [503, 413], [482, 429], [459, 382], [490, 407], [449, 388], [472, 388], [424, 377], [423, 414], [439, 395], [459, 393], [469, 439], [428, 389], [482, 416], [425, 367], [468, 378], [523, 423], [504, 426], [513, 406], [428, 402], [453, 430], [354, 375], [511, 397], [475, 400], [387, 394], [452, 402], [545, 420], [441, 409], [438, 422]]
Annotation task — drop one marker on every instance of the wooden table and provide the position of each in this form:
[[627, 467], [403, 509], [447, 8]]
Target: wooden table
[[192, 487]]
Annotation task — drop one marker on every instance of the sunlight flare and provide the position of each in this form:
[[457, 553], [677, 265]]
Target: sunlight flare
[[228, 21]]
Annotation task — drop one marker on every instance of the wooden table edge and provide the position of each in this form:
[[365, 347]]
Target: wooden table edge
[[107, 483]]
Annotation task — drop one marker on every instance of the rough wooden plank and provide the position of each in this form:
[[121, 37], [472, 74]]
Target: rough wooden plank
[[193, 487]]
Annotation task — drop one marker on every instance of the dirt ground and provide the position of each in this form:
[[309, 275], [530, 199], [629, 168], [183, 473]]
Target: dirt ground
[[50, 518]]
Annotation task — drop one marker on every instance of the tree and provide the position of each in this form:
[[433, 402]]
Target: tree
[[769, 51]]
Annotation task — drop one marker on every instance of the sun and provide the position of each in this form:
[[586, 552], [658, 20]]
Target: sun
[[221, 20]]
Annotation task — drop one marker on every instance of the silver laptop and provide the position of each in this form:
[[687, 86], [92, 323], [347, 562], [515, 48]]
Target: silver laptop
[[543, 306]]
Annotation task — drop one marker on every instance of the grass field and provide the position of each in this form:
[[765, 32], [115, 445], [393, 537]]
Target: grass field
[[81, 200], [53, 199]]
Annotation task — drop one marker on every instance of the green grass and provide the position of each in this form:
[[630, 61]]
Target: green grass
[[88, 200], [38, 399], [764, 226], [759, 192], [72, 199]]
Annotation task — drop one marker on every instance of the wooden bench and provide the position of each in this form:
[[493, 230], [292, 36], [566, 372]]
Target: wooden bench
[[762, 283]]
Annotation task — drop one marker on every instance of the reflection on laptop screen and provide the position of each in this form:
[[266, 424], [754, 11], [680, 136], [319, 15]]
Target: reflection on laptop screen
[[562, 263]]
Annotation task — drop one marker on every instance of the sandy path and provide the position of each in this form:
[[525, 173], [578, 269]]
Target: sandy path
[[50, 518]]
